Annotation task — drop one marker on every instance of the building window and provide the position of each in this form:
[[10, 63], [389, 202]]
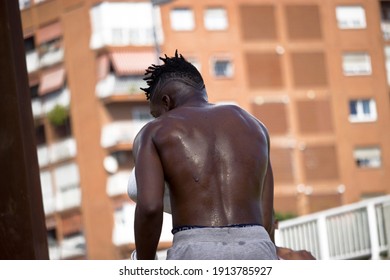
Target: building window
[[385, 10], [355, 64], [362, 110], [182, 19], [222, 68], [367, 157], [29, 44], [351, 17], [215, 19]]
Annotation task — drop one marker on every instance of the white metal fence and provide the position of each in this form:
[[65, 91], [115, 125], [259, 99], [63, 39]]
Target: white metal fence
[[356, 231]]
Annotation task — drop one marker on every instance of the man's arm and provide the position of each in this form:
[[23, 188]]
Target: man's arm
[[267, 198], [288, 254], [150, 192]]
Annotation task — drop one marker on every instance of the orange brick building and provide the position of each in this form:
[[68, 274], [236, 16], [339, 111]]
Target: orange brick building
[[315, 72]]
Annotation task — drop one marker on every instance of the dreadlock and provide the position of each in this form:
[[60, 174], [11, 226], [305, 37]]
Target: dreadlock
[[176, 67]]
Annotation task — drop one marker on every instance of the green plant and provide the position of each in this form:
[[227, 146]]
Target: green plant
[[58, 115], [284, 216]]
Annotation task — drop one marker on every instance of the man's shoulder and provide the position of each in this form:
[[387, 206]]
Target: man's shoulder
[[153, 127], [244, 113]]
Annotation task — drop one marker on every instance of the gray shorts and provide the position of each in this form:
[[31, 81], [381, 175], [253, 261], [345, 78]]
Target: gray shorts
[[222, 243]]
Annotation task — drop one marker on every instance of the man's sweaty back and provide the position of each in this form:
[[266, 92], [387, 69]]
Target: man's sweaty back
[[208, 186]]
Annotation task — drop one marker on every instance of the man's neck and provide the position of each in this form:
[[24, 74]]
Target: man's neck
[[193, 101]]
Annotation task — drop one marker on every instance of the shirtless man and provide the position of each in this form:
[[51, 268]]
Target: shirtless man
[[215, 161]]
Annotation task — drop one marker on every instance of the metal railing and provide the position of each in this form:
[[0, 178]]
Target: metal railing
[[119, 85], [64, 149], [120, 132], [117, 183], [386, 30], [356, 231], [72, 246], [32, 61], [51, 57]]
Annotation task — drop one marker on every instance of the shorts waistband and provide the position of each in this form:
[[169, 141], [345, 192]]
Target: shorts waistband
[[183, 228]]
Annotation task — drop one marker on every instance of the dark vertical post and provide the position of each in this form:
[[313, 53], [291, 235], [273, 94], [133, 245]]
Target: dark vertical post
[[22, 221]]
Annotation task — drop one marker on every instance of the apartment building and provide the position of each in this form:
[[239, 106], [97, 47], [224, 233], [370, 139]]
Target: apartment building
[[316, 73]]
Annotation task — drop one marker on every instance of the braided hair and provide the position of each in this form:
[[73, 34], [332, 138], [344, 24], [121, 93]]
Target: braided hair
[[174, 68]]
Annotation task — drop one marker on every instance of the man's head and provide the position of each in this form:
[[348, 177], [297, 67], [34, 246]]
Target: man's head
[[177, 71]]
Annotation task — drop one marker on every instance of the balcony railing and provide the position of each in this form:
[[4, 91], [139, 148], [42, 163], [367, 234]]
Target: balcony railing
[[69, 197], [24, 4], [52, 57], [71, 247], [43, 155], [386, 30], [123, 232], [37, 108], [54, 252], [32, 61], [117, 183], [114, 85], [357, 231], [63, 150], [49, 205], [120, 132], [123, 36]]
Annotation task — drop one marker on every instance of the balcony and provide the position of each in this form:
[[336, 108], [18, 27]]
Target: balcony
[[115, 85], [32, 61], [61, 150], [49, 205], [61, 97], [72, 247], [54, 252], [122, 37], [47, 193], [386, 30], [43, 155], [69, 197], [64, 149], [67, 182], [52, 57], [24, 4], [117, 183], [110, 25], [123, 232], [120, 132], [37, 108]]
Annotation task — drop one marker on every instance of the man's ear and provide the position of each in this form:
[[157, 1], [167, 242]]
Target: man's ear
[[167, 102]]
